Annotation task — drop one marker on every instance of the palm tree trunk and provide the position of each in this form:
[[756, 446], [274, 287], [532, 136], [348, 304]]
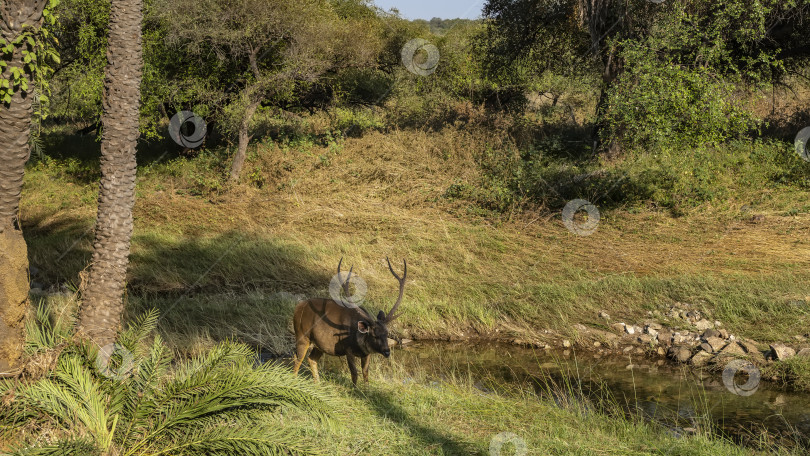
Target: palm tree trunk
[[15, 126], [244, 139], [102, 297], [15, 123]]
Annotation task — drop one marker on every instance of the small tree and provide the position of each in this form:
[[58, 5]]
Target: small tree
[[263, 53]]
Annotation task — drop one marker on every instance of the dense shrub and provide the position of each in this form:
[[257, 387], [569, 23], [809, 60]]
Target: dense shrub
[[664, 103]]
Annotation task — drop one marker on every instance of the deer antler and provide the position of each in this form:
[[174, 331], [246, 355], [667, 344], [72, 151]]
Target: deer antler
[[346, 291], [345, 285], [392, 313]]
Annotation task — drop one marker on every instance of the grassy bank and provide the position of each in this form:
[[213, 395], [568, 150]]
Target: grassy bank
[[456, 418], [207, 249]]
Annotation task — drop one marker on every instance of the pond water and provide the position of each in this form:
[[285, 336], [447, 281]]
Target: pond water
[[685, 401]]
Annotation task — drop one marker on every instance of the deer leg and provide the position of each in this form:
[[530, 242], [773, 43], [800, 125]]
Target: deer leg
[[314, 356], [352, 367], [301, 347], [364, 365]]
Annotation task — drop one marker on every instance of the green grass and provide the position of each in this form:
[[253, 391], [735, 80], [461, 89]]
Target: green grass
[[453, 417]]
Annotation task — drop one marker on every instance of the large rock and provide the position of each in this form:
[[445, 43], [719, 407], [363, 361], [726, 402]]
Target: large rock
[[711, 332], [803, 353], [733, 348], [752, 351], [665, 337], [713, 344], [700, 359], [703, 325], [679, 353], [652, 326], [782, 352], [749, 346], [731, 351]]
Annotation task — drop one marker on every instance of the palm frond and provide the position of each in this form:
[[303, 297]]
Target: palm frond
[[72, 397], [139, 399], [236, 437], [79, 447], [138, 331], [44, 334], [224, 383], [217, 403]]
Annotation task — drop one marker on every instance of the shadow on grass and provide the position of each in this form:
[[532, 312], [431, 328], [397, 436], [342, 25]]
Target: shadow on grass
[[228, 262], [385, 406], [231, 285], [59, 249], [79, 155]]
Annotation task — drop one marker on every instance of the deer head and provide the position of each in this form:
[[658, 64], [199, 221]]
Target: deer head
[[372, 334]]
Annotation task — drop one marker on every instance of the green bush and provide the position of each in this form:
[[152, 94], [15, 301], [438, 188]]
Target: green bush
[[550, 174], [355, 122], [657, 103]]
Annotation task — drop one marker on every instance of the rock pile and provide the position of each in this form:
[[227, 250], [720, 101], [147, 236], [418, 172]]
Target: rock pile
[[695, 339]]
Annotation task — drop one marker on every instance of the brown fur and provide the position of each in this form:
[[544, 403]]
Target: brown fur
[[332, 328], [340, 329]]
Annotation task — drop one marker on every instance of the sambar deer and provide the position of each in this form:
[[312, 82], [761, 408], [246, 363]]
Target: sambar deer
[[342, 329]]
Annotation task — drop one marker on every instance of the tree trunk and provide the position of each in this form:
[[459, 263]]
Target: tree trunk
[[244, 139], [102, 297], [609, 74], [599, 121], [15, 127]]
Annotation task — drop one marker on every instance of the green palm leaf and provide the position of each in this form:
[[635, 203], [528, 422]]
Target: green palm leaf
[[220, 402]]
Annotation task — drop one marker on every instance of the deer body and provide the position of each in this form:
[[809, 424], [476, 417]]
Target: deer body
[[341, 329]]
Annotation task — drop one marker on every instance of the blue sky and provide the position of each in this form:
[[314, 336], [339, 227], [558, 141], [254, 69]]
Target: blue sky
[[427, 9]]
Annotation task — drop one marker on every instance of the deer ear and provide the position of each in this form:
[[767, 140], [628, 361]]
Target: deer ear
[[381, 316], [362, 326]]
